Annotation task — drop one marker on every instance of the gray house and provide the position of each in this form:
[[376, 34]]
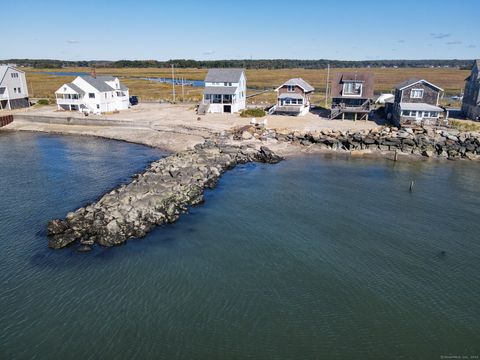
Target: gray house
[[471, 97], [415, 102], [13, 88]]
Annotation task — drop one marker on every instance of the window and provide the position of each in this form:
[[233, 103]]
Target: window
[[416, 94], [227, 84], [290, 88], [352, 88], [91, 95], [98, 106], [14, 75], [19, 90], [14, 90], [413, 113]]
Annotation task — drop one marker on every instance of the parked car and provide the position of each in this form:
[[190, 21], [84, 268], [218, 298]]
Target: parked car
[[133, 100]]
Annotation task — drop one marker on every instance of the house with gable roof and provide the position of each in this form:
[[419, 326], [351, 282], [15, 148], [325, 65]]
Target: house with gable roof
[[415, 102], [471, 96], [293, 97], [225, 91], [13, 88], [93, 94]]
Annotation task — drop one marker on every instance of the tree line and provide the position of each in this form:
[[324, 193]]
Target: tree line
[[249, 64]]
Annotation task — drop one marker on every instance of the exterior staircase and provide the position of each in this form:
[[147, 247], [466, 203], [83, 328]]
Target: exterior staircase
[[203, 107]]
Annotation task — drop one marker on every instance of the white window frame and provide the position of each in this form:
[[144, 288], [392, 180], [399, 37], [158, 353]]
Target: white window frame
[[421, 91], [290, 88], [344, 92]]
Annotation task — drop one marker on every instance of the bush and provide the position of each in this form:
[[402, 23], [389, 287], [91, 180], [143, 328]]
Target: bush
[[253, 113], [43, 102]]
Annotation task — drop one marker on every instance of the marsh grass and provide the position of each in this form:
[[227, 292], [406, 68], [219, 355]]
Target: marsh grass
[[44, 85]]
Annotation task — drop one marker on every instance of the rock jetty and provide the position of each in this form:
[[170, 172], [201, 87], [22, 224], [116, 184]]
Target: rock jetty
[[424, 141], [155, 197]]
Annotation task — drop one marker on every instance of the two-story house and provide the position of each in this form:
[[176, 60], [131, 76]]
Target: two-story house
[[293, 97], [471, 96], [13, 88], [93, 94], [352, 93], [225, 91], [415, 102]]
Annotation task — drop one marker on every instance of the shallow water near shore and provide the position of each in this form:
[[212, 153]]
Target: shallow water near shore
[[315, 257]]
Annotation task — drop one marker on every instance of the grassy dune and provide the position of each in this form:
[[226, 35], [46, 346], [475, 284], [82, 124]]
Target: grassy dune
[[44, 86]]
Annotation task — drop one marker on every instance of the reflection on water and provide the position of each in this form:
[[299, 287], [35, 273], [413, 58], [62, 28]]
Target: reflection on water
[[311, 258]]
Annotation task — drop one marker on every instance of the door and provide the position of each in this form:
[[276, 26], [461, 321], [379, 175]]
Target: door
[[419, 116], [227, 108]]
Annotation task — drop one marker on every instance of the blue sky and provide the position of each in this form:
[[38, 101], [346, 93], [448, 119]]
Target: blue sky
[[146, 29]]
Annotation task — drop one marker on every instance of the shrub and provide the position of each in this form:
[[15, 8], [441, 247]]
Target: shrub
[[253, 113], [43, 102]]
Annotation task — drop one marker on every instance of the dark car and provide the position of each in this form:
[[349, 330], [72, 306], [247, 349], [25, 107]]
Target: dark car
[[133, 100]]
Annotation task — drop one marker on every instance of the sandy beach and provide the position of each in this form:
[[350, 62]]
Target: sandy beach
[[170, 127]]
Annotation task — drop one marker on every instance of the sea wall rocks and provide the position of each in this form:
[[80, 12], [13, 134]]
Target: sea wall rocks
[[423, 141], [155, 197]]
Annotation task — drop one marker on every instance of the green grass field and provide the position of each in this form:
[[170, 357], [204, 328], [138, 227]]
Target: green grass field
[[44, 85]]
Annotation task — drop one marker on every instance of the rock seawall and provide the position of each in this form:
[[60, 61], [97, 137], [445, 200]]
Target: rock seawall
[[425, 141], [155, 197]]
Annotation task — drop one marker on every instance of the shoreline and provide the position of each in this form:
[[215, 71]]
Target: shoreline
[[289, 150]]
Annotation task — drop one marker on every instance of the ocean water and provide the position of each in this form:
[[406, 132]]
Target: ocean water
[[313, 258]]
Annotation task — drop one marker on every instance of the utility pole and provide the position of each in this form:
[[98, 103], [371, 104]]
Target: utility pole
[[183, 90], [326, 87], [173, 82]]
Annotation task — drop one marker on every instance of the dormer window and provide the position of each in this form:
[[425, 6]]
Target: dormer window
[[416, 94], [290, 88], [352, 88]]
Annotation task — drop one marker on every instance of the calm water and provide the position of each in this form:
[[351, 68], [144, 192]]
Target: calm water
[[311, 258]]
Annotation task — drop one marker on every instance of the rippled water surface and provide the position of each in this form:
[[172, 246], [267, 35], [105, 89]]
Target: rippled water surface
[[312, 258]]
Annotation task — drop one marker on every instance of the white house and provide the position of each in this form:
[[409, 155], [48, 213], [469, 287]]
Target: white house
[[225, 91], [13, 88], [93, 94]]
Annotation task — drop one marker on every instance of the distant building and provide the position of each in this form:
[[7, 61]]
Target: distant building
[[13, 88], [415, 102], [93, 94], [293, 97], [225, 91], [352, 93], [471, 96]]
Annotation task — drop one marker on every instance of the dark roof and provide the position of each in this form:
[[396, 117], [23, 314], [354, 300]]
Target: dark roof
[[299, 82], [340, 78], [224, 75], [220, 90], [406, 83], [412, 81]]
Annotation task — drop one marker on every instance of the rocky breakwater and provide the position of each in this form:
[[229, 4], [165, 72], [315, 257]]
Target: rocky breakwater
[[155, 197], [423, 141]]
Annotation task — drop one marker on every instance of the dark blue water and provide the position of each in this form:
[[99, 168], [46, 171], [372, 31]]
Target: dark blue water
[[63, 73], [194, 83], [311, 258]]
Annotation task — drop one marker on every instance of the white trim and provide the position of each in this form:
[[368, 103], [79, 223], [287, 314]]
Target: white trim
[[352, 82], [421, 80], [422, 92]]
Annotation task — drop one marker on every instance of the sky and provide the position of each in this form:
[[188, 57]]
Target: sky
[[212, 30]]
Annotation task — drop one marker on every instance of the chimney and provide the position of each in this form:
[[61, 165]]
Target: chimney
[[94, 73]]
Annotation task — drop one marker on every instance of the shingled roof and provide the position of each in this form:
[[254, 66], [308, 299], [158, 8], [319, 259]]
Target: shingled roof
[[98, 84], [413, 81], [298, 82], [224, 75], [340, 78]]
